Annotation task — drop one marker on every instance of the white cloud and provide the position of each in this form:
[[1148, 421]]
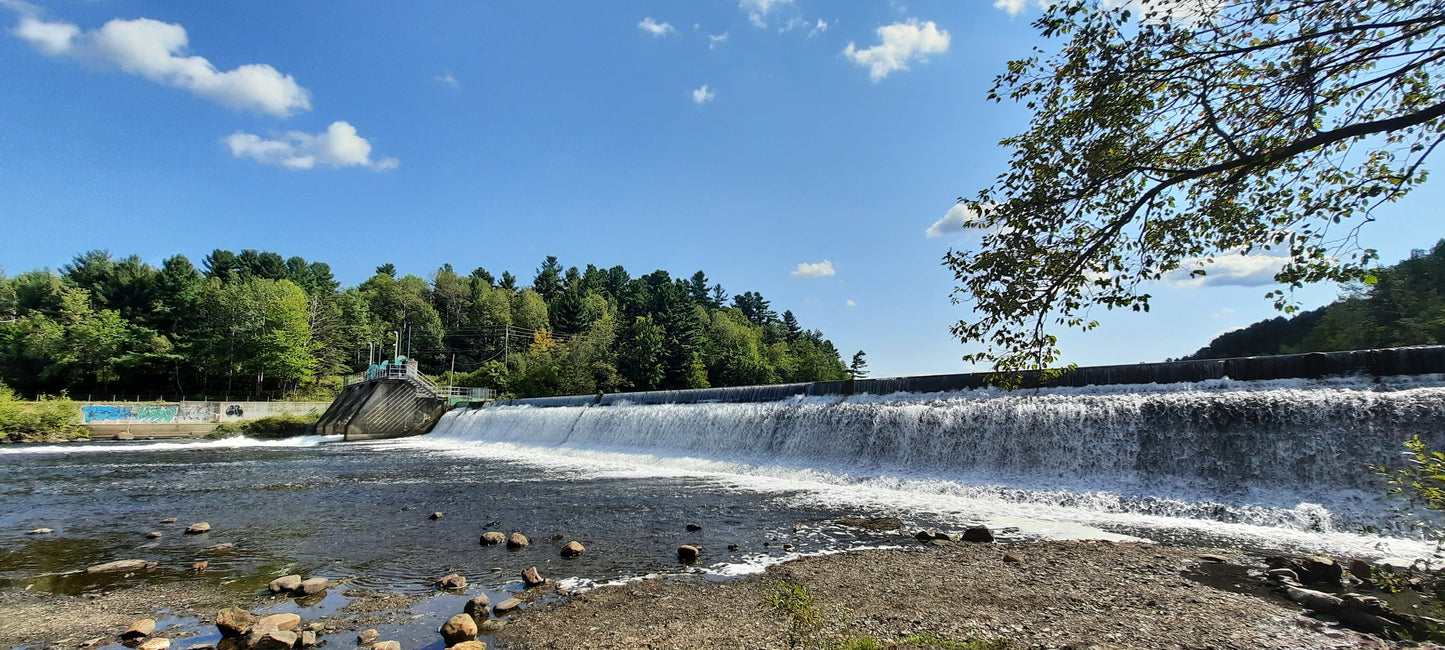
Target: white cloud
[[1015, 7], [850, 303], [900, 44], [448, 79], [792, 24], [156, 51], [814, 269], [1183, 11], [1227, 269], [818, 28], [714, 40], [953, 222], [338, 146], [655, 28], [759, 9], [703, 95]]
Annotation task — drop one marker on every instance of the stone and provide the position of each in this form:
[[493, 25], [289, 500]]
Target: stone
[[927, 536], [287, 621], [507, 606], [313, 586], [222, 547], [692, 528], [155, 643], [234, 621], [733, 547], [200, 566], [386, 645], [1318, 601], [120, 565], [1361, 569], [1314, 570], [198, 528], [493, 538], [531, 578], [155, 534], [169, 520], [270, 639], [872, 523], [477, 606], [40, 531], [1209, 557], [1011, 558], [469, 645], [1283, 575], [556, 537], [139, 629], [285, 584], [979, 534], [308, 639], [688, 553], [451, 581], [573, 549], [437, 515], [517, 541], [458, 628], [367, 637]]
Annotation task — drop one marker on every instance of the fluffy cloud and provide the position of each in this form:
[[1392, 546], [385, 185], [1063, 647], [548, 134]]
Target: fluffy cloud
[[448, 79], [1227, 269], [338, 146], [714, 40], [900, 44], [818, 28], [952, 222], [1014, 7], [759, 9], [850, 303], [814, 269], [703, 95], [655, 28], [157, 51]]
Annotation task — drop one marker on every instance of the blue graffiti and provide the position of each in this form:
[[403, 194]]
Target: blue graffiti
[[100, 413]]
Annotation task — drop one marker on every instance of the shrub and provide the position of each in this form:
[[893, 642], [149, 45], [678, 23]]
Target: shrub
[[47, 417]]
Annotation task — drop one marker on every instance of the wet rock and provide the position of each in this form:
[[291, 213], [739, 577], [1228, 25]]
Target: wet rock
[[139, 629], [1011, 558], [169, 520], [573, 549], [872, 523], [39, 531], [234, 621], [979, 534], [313, 586], [469, 645], [155, 643], [200, 566], [507, 606], [688, 553], [1283, 575], [1314, 570], [458, 628], [477, 606], [692, 528], [787, 547], [557, 537], [927, 536], [1210, 557], [437, 515], [1367, 622], [270, 639], [155, 534], [287, 622], [517, 541], [1361, 569], [307, 639], [733, 547], [1317, 601], [285, 584], [531, 578], [367, 637], [198, 528], [451, 581], [386, 645], [121, 565], [218, 548], [493, 538]]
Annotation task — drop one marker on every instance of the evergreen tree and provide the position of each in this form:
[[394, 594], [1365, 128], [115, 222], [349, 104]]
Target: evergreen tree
[[548, 281], [858, 369]]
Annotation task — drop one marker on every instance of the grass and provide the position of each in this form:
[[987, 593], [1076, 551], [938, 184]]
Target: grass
[[44, 419]]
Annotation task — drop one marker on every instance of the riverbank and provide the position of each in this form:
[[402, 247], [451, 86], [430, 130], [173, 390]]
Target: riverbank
[[1055, 594]]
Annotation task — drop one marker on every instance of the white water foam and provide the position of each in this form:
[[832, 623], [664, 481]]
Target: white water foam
[[238, 442]]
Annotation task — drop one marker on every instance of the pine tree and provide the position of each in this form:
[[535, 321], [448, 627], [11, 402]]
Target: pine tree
[[859, 368]]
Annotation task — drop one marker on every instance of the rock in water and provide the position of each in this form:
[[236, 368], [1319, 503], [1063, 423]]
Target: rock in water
[[573, 549], [271, 639], [169, 520], [437, 515], [506, 607], [285, 584], [458, 628], [469, 645], [687, 553], [200, 566], [155, 534], [287, 622], [367, 637], [477, 607], [139, 629], [39, 531], [198, 528], [313, 586], [692, 528], [531, 578], [223, 546], [155, 643], [978, 534], [121, 565], [234, 621], [517, 541], [451, 581], [493, 538], [386, 645], [307, 639], [1314, 570]]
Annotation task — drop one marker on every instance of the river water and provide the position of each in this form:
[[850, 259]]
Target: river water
[[1263, 466]]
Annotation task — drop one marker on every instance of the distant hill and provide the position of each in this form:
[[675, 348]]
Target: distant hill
[[1404, 307]]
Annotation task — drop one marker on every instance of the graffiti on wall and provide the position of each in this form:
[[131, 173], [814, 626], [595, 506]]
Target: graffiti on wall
[[111, 412]]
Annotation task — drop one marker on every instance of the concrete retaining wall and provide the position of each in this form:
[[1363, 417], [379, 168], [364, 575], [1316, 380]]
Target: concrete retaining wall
[[181, 419]]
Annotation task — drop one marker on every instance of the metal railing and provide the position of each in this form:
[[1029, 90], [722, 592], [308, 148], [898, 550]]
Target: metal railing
[[406, 370]]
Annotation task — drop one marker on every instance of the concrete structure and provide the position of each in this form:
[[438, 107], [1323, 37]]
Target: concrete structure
[[390, 400], [107, 420]]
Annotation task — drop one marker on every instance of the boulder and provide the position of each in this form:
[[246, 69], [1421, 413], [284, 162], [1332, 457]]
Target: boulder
[[270, 639], [1314, 570], [155, 534], [367, 637], [978, 534], [198, 528], [1361, 569], [688, 553], [287, 622], [531, 578], [234, 621], [573, 549], [139, 629], [451, 581], [692, 528], [477, 606], [313, 586], [285, 584], [469, 645], [516, 541], [155, 643], [493, 538], [437, 515], [507, 606], [121, 565], [458, 628], [39, 531], [386, 645], [1318, 601]]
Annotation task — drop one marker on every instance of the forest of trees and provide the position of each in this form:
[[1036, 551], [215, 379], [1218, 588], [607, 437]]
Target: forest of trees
[[257, 324], [1403, 306]]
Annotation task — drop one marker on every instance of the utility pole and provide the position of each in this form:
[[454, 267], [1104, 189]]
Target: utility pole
[[507, 345], [396, 346], [408, 340], [452, 376]]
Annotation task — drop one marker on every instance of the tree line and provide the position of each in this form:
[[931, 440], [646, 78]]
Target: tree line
[[257, 324], [1396, 306]]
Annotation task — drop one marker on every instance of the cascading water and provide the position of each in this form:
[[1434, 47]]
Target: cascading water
[[1289, 454]]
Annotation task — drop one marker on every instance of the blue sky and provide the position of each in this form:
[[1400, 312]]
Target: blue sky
[[490, 134]]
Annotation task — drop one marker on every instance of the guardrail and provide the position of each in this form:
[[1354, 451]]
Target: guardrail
[[406, 370]]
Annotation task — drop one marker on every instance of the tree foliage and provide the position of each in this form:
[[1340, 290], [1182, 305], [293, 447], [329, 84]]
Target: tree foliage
[[1168, 133]]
